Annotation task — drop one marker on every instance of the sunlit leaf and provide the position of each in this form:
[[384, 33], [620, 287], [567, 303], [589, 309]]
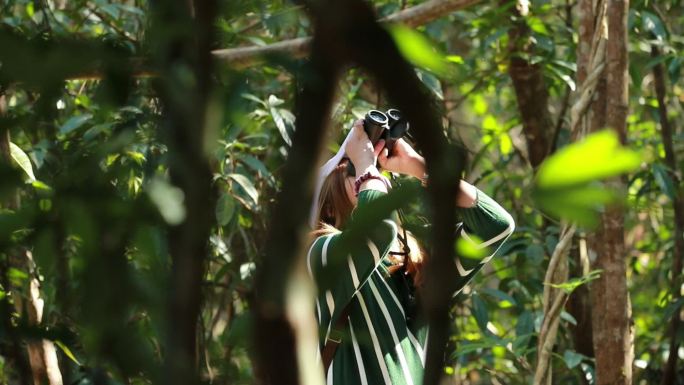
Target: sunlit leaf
[[280, 123], [20, 157], [574, 283], [598, 156], [169, 200], [467, 248], [246, 185], [417, 49], [67, 352], [253, 98]]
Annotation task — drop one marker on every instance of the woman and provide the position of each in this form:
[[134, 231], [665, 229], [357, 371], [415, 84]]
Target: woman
[[371, 332]]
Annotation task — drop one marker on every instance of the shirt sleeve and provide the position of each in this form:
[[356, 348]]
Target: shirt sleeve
[[486, 226], [340, 268]]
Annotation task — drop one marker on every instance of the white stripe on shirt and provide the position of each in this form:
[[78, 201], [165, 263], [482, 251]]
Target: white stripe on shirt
[[414, 340], [376, 344], [357, 354], [325, 251], [393, 332], [352, 271], [374, 251]]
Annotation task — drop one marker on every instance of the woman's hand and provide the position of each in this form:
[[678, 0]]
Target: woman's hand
[[403, 160], [360, 150]]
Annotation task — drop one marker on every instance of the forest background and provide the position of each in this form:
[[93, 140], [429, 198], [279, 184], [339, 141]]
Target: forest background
[[154, 157]]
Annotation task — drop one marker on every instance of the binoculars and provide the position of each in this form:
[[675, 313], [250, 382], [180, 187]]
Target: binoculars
[[389, 126]]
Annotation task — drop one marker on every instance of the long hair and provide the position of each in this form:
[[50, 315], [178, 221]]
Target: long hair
[[335, 208]]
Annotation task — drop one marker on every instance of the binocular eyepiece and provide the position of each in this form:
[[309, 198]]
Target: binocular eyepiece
[[389, 126]]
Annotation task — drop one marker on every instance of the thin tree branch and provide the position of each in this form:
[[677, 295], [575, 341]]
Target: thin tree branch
[[415, 16]]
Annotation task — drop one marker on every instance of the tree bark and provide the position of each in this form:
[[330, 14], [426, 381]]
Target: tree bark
[[12, 351], [530, 89], [275, 339], [666, 134], [186, 66], [42, 354], [611, 308]]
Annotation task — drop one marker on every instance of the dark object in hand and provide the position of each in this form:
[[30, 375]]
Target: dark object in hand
[[378, 125], [388, 125]]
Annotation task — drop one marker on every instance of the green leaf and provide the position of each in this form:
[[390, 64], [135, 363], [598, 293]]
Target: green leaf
[[564, 77], [256, 165], [664, 181], [19, 156], [169, 200], [537, 25], [480, 313], [246, 185], [535, 253], [431, 82], [574, 283], [568, 318], [280, 123], [468, 249], [672, 309], [652, 23], [67, 351], [16, 276], [674, 68], [74, 123], [225, 208], [506, 300], [599, 156], [525, 324], [578, 204], [417, 49], [253, 98], [572, 358]]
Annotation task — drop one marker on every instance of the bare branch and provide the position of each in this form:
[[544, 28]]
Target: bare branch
[[412, 17]]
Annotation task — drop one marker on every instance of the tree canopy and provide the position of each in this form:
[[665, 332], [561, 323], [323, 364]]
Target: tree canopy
[[158, 157]]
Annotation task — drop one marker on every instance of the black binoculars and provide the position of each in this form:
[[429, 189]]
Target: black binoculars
[[389, 126]]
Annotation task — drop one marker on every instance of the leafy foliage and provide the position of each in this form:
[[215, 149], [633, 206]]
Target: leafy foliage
[[100, 201]]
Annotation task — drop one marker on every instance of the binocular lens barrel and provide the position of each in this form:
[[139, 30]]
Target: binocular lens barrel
[[389, 126]]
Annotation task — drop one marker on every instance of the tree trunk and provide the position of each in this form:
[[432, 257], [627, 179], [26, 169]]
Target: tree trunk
[[186, 65], [530, 89], [666, 133], [42, 355], [611, 308]]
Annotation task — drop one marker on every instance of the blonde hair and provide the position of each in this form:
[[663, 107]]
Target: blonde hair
[[335, 208]]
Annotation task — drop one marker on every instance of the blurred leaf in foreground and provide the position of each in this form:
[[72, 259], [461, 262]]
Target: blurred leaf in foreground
[[567, 184], [417, 49]]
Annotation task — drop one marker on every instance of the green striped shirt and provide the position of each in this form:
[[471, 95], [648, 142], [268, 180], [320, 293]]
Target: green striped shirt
[[385, 340]]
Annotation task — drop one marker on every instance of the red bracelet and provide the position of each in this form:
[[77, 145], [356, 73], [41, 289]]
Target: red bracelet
[[367, 176]]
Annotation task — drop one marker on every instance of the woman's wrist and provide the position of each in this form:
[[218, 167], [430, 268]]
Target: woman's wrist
[[366, 167], [416, 167]]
